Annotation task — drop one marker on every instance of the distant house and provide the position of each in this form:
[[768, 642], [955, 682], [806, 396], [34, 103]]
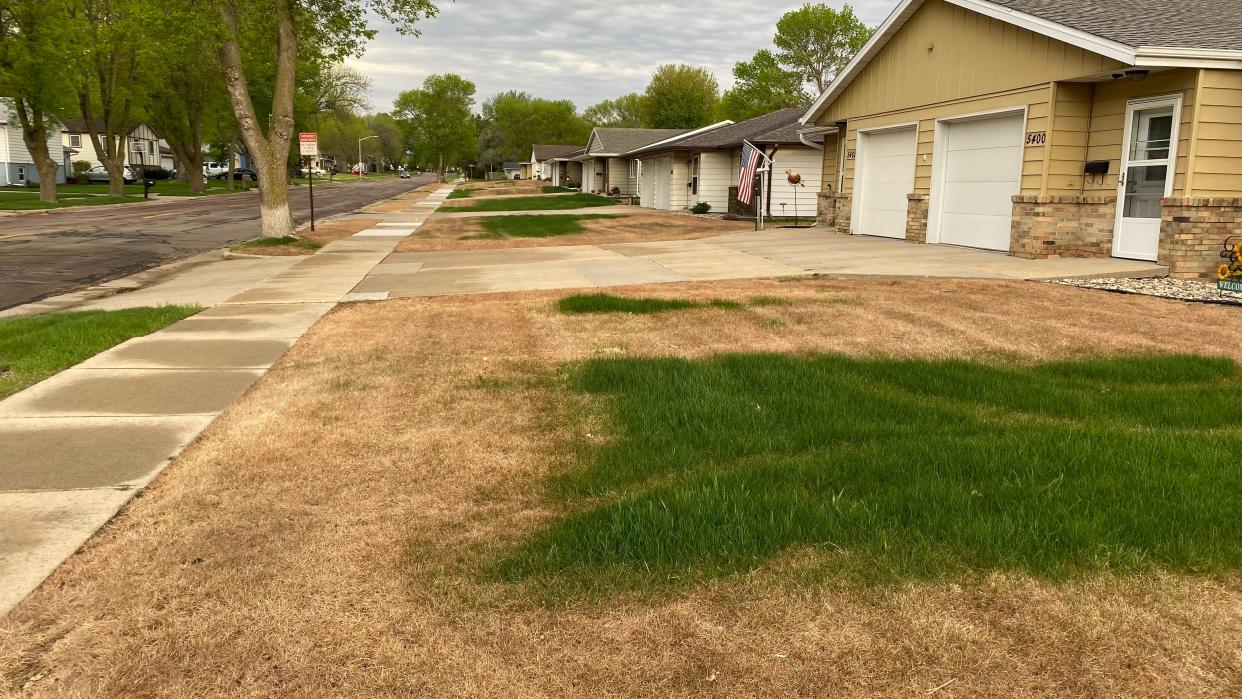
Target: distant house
[[141, 146], [702, 166], [541, 159], [16, 164], [513, 171], [566, 170], [603, 167]]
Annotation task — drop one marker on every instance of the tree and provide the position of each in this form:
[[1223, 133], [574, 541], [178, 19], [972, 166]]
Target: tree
[[817, 41], [625, 111], [761, 86], [390, 144], [35, 77], [112, 37], [680, 97], [438, 120], [341, 91], [285, 23], [519, 121]]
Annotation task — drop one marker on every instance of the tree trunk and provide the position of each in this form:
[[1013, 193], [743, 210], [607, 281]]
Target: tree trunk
[[269, 152], [34, 135], [440, 170]]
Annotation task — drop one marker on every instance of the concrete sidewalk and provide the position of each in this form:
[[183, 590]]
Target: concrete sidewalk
[[450, 212], [775, 253], [79, 445]]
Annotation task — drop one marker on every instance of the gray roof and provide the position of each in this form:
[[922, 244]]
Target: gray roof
[[732, 135], [544, 152], [617, 141], [1198, 24], [787, 135]]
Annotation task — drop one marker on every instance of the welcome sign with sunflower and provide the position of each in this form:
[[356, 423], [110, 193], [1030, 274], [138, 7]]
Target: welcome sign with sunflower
[[1230, 273]]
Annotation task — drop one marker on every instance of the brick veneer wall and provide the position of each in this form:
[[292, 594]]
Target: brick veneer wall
[[737, 208], [1068, 226], [833, 211], [916, 217], [1193, 232], [845, 209]]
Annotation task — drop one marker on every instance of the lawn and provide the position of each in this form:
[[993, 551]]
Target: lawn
[[537, 226], [910, 470], [535, 203], [558, 190], [608, 303], [11, 200], [36, 347], [404, 506], [27, 198]]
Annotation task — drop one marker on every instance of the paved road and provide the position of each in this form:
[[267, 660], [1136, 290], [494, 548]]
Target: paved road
[[70, 249]]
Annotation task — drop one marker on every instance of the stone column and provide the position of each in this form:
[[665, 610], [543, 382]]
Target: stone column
[[916, 217]]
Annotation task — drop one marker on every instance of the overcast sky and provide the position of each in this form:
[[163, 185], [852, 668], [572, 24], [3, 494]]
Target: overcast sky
[[582, 50]]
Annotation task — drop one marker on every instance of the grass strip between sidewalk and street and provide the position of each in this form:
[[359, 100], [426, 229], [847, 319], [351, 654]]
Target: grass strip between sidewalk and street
[[33, 348], [535, 203]]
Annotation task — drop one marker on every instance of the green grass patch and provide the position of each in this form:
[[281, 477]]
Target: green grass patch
[[607, 303], [550, 189], [461, 194], [280, 241], [542, 226], [17, 200], [36, 347], [537, 203], [894, 470], [767, 301]]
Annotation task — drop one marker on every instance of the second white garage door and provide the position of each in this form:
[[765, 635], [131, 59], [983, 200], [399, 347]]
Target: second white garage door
[[887, 164], [982, 172]]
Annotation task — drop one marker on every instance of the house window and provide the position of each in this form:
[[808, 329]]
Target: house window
[[151, 147], [75, 140], [633, 169], [21, 174]]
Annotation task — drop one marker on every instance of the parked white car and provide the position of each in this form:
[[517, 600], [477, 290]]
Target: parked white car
[[316, 171], [100, 174], [215, 169]]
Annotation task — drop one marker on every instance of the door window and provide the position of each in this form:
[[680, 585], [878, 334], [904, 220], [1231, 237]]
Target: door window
[[1146, 177]]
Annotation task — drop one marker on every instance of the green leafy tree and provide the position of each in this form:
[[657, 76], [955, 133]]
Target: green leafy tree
[[263, 36], [35, 78], [438, 120], [625, 111], [681, 97], [817, 41], [515, 121], [761, 86], [112, 83], [389, 146]]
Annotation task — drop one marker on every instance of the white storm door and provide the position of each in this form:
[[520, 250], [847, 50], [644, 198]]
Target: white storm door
[[887, 160], [1148, 162]]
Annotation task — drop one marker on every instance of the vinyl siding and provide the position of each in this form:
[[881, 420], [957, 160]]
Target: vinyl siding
[[1068, 128], [946, 53], [808, 163], [1108, 117], [1217, 148], [619, 176], [15, 153], [715, 178]]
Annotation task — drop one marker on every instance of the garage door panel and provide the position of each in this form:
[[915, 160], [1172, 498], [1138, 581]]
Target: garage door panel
[[982, 171], [984, 165], [888, 163], [988, 198], [978, 231]]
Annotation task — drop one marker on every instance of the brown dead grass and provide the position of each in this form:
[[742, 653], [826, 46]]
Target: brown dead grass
[[401, 203], [325, 232], [318, 539], [446, 233]]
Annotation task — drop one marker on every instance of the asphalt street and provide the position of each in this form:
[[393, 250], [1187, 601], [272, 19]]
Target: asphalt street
[[69, 249]]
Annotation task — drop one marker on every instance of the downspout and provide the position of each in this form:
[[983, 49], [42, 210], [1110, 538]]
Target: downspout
[[767, 204], [8, 182]]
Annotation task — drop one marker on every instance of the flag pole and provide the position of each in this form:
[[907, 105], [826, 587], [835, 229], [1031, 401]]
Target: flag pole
[[763, 183]]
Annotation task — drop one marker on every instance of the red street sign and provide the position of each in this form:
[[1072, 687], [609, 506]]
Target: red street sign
[[308, 145]]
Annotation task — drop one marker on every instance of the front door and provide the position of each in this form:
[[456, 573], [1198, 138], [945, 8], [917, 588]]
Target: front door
[[1148, 162]]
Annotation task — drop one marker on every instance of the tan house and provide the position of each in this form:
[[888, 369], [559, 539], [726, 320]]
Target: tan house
[[1086, 128]]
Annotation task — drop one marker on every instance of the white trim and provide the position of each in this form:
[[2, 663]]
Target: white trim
[[1142, 56], [1170, 176], [940, 142], [855, 198]]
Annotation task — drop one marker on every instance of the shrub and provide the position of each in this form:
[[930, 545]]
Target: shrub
[[701, 208]]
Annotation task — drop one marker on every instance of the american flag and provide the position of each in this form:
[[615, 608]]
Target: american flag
[[751, 158]]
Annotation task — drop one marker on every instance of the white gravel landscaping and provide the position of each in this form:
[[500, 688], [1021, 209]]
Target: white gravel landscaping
[[1178, 289]]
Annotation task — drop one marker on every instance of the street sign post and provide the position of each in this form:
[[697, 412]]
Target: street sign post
[[308, 147]]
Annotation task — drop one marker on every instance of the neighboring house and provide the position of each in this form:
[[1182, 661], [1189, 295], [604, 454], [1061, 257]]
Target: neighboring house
[[17, 167], [703, 166], [1088, 128], [168, 160], [513, 171], [541, 157], [141, 146], [566, 169], [604, 168]]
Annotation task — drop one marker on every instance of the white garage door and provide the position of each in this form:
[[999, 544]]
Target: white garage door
[[887, 177], [982, 172]]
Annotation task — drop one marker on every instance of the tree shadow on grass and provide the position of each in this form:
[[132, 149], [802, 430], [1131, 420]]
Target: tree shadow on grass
[[896, 470]]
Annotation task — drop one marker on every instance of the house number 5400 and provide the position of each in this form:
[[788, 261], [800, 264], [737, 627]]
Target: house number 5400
[[1037, 138]]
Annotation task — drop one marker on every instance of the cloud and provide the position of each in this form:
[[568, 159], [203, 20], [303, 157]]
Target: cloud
[[582, 50]]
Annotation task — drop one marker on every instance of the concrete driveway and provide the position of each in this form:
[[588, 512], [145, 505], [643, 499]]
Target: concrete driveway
[[774, 253]]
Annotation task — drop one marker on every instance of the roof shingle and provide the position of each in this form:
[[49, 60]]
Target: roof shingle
[[1198, 24], [775, 126]]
